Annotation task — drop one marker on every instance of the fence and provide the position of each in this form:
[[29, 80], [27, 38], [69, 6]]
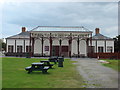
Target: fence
[[115, 55]]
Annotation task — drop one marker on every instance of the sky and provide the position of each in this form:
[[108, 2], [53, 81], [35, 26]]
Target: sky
[[91, 15]]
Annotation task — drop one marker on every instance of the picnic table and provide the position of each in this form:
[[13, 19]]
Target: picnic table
[[47, 63], [53, 59], [37, 67]]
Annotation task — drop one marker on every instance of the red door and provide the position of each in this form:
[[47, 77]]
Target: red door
[[65, 51], [55, 50]]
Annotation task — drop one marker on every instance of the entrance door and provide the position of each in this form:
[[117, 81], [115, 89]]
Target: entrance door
[[65, 51], [55, 50]]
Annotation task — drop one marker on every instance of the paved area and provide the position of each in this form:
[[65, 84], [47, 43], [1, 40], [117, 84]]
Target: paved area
[[96, 75]]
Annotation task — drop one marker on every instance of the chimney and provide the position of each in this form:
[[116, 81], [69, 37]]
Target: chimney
[[23, 29], [97, 31]]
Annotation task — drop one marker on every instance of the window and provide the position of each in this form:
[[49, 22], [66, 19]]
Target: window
[[109, 48], [19, 49], [10, 48], [28, 48], [100, 49], [46, 48]]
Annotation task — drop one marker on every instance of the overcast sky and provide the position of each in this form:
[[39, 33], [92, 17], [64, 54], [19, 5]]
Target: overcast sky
[[91, 15]]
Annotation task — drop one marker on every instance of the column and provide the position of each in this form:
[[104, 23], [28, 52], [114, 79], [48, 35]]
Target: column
[[24, 46], [87, 46], [60, 42], [15, 46], [91, 45], [50, 45], [70, 43], [42, 41], [6, 46], [78, 46], [96, 46], [105, 46], [33, 46], [30, 46]]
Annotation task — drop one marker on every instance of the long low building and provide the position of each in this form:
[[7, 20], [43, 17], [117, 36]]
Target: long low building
[[68, 41]]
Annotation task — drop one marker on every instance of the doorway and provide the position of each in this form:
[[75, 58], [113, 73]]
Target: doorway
[[64, 50]]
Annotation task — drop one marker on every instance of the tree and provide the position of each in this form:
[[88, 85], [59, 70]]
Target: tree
[[2, 45], [117, 43]]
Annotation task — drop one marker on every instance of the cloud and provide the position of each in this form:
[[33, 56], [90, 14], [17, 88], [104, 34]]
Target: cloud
[[32, 14]]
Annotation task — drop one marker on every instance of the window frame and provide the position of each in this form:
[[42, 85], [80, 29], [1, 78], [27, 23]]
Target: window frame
[[46, 48], [28, 48], [19, 48], [100, 49], [109, 49], [10, 48]]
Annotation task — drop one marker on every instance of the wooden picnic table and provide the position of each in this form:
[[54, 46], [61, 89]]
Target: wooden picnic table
[[47, 63], [53, 59], [37, 67]]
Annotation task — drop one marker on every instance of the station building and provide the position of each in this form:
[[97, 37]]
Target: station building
[[67, 41]]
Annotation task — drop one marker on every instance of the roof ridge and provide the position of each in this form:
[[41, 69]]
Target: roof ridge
[[63, 26]]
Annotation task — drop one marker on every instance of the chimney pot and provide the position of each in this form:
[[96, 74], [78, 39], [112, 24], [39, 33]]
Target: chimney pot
[[23, 29], [97, 30]]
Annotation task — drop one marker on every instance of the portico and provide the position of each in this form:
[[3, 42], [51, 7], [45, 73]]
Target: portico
[[60, 43]]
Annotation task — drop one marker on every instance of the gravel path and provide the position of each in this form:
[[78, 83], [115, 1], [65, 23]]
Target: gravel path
[[96, 75]]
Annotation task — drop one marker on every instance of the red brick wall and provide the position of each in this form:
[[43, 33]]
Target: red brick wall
[[105, 55]]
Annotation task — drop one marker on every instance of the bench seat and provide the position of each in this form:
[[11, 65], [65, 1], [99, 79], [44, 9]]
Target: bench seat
[[28, 68], [46, 68]]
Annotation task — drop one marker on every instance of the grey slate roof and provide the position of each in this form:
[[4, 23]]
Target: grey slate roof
[[58, 28], [50, 28], [100, 37], [20, 35]]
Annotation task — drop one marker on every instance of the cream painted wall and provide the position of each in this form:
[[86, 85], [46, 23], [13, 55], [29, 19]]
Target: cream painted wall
[[94, 44], [18, 42], [102, 43], [65, 42], [21, 43], [55, 42], [82, 47], [26, 44], [11, 42], [74, 47], [110, 43], [37, 47]]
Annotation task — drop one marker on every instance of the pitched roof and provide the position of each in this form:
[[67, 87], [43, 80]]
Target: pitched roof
[[100, 36], [21, 35], [61, 28], [51, 28]]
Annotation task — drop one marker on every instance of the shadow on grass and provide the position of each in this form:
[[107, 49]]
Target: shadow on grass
[[38, 73], [52, 68]]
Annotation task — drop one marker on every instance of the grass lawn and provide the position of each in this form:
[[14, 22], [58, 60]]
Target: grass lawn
[[15, 76], [0, 73], [113, 64]]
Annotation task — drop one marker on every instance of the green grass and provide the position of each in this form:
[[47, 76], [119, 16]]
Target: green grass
[[15, 76], [113, 64], [0, 73]]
